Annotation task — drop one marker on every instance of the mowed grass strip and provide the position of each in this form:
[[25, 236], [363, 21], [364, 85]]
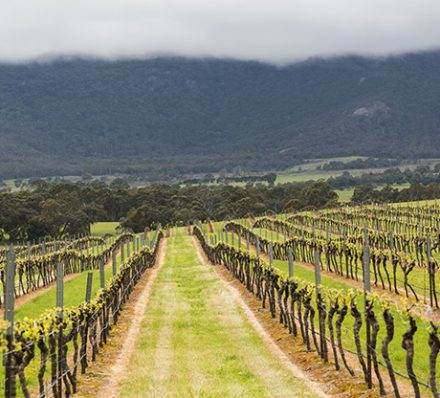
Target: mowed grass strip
[[196, 341]]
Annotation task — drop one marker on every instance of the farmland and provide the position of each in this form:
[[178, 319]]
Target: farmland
[[409, 299], [219, 199], [188, 310]]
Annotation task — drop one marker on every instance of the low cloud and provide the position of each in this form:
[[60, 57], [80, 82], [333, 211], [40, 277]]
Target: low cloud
[[274, 31]]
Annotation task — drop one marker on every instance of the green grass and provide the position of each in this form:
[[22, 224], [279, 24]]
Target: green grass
[[302, 176], [344, 195], [307, 171], [397, 354], [314, 163], [104, 228], [74, 295], [196, 342]]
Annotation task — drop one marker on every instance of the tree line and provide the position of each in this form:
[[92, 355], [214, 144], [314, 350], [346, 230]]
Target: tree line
[[368, 193], [270, 178], [66, 209], [421, 175], [359, 163]]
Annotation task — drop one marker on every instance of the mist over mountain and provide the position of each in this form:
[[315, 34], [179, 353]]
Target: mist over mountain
[[178, 115]]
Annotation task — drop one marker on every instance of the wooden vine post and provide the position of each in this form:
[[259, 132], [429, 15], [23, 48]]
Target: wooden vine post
[[428, 262], [258, 247], [270, 255], [319, 302], [102, 274], [10, 370], [147, 237], [317, 272], [89, 287], [391, 238], [60, 309], [317, 264], [60, 286], [114, 269], [367, 288], [290, 260], [431, 273]]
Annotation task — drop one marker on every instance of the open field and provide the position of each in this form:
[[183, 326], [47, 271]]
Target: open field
[[104, 228]]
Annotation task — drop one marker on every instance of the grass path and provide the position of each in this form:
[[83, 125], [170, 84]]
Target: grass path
[[196, 341]]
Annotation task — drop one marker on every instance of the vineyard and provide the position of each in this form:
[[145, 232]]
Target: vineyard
[[356, 287], [47, 341], [350, 282]]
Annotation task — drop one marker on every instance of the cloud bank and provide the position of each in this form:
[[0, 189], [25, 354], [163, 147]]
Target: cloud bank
[[275, 31]]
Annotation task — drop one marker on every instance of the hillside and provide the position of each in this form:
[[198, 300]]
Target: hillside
[[175, 115]]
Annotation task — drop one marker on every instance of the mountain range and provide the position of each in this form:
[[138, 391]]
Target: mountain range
[[174, 116]]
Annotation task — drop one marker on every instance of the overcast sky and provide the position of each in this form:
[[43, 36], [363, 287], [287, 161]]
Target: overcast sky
[[267, 30]]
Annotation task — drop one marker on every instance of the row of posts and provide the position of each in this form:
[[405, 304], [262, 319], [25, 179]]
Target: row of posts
[[9, 297], [317, 273], [224, 237]]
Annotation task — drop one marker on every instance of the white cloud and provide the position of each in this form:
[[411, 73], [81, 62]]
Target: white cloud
[[269, 30]]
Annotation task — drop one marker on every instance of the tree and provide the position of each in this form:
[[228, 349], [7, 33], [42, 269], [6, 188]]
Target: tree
[[319, 194], [39, 185], [271, 178], [363, 194], [119, 183], [87, 177]]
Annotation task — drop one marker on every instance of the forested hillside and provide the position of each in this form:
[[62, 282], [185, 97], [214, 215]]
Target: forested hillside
[[176, 115]]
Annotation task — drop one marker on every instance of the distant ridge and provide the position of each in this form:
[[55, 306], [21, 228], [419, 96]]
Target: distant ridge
[[174, 115]]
